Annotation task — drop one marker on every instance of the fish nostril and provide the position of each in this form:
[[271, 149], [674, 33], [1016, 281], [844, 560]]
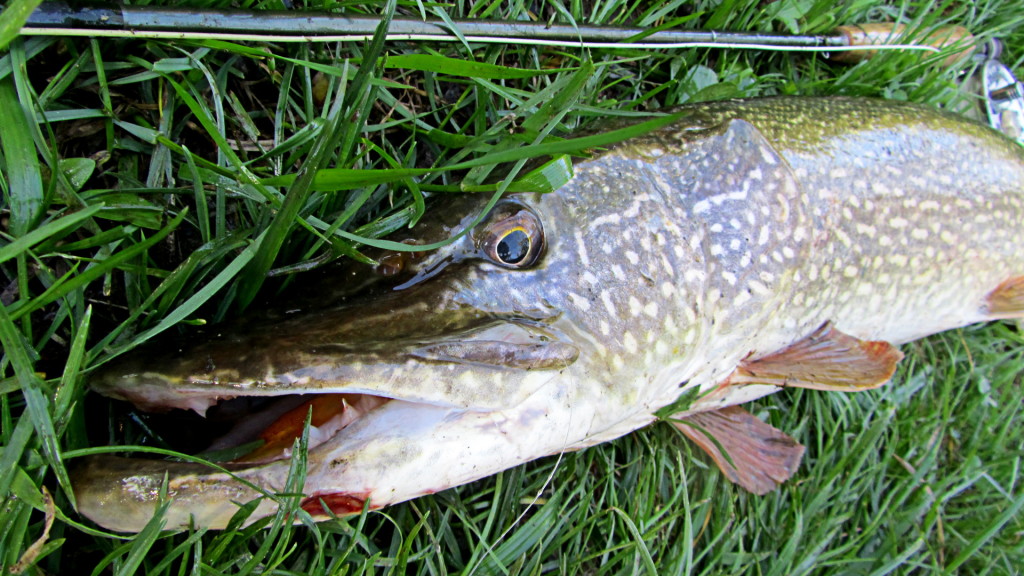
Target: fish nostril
[[391, 264]]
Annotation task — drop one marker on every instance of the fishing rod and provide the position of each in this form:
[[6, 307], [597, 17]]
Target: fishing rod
[[845, 43], [1002, 93]]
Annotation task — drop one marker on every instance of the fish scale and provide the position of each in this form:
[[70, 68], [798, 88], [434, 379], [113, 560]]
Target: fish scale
[[752, 246]]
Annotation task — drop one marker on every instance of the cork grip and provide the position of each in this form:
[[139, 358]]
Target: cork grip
[[887, 33]]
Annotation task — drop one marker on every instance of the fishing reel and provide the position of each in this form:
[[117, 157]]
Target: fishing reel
[[1002, 93]]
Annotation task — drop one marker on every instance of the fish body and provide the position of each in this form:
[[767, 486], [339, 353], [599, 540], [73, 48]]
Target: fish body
[[754, 245]]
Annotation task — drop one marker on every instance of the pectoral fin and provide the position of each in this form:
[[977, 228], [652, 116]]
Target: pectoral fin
[[756, 456], [825, 360], [1007, 300]]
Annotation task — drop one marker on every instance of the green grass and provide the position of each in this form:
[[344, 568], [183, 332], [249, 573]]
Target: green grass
[[149, 183]]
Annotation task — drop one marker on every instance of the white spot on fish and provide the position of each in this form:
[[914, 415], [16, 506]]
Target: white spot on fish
[[650, 309], [758, 288], [742, 298], [612, 219], [580, 302], [866, 230], [634, 306], [661, 348], [670, 325], [606, 298], [629, 342], [581, 246]]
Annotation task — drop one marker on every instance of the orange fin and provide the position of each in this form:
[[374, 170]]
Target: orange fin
[[1007, 300], [760, 457], [825, 360]]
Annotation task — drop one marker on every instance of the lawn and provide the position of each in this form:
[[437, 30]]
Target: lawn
[[153, 185]]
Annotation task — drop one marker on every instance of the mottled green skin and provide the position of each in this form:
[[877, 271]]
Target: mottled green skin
[[669, 260]]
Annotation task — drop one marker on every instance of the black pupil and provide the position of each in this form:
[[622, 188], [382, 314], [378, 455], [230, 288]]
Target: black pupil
[[513, 247]]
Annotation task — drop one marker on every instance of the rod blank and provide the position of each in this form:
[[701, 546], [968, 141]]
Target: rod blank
[[306, 24]]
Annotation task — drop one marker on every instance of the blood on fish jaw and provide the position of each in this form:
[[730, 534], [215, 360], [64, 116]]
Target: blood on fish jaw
[[324, 506]]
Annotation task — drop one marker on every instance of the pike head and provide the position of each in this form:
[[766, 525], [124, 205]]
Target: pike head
[[559, 321]]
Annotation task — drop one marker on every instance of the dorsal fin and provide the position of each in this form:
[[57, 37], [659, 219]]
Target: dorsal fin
[[1007, 300], [825, 360], [757, 456]]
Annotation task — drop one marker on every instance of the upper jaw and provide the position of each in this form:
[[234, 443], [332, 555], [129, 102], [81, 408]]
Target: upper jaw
[[476, 367]]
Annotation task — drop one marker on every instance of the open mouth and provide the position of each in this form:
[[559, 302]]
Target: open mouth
[[269, 434], [250, 431]]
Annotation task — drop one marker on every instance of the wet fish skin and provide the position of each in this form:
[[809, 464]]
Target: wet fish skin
[[670, 260]]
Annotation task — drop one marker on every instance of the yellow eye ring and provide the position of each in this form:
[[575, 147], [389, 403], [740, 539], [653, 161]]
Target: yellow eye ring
[[513, 246]]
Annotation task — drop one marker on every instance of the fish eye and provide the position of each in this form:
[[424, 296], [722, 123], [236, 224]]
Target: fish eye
[[513, 238], [513, 247]]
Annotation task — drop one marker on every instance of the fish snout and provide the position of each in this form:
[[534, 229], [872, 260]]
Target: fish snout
[[124, 494]]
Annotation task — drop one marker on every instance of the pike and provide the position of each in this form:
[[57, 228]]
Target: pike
[[753, 246]]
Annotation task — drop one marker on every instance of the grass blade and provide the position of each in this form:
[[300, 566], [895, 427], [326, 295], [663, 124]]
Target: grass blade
[[302, 186], [13, 17], [23, 176], [22, 243], [61, 289]]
